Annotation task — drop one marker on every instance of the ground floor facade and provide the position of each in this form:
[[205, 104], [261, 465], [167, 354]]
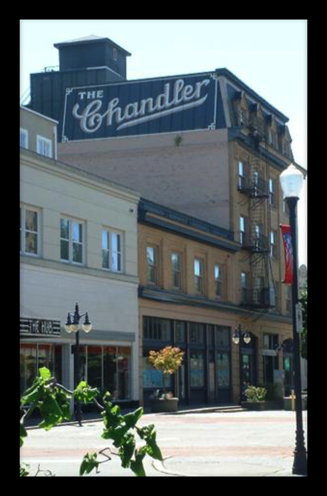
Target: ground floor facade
[[215, 370], [109, 353]]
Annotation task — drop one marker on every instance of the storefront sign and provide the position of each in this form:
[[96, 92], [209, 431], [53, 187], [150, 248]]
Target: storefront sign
[[141, 107], [39, 327]]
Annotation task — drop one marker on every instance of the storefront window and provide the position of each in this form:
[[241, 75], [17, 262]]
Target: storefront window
[[94, 366], [156, 329], [222, 337], [58, 363], [152, 378], [35, 356], [197, 369], [196, 333], [45, 356], [223, 370], [124, 373], [180, 332], [28, 370], [110, 371]]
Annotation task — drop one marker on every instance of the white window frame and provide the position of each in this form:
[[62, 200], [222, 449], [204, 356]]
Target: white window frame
[[71, 241], [152, 266], [178, 272], [23, 132], [199, 278], [41, 142], [218, 281], [23, 231], [243, 226], [110, 232], [273, 244]]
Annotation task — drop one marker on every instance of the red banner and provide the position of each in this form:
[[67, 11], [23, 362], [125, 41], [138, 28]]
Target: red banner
[[288, 250]]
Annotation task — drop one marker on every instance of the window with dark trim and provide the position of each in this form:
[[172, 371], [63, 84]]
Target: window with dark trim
[[152, 264], [176, 268]]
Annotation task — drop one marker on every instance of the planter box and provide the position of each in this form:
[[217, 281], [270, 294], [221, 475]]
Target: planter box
[[263, 405], [164, 405]]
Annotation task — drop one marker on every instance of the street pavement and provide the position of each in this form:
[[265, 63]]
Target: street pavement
[[255, 444]]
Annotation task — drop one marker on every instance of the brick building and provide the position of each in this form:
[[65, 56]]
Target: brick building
[[206, 146]]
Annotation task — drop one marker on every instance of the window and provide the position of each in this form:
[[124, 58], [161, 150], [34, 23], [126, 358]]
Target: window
[[242, 230], [272, 192], [29, 231], [152, 264], [218, 281], [115, 54], [71, 241], [196, 333], [241, 175], [223, 369], [245, 287], [44, 146], [176, 270], [270, 342], [23, 139], [156, 329], [111, 251], [198, 276], [197, 369], [286, 209], [35, 356], [273, 244]]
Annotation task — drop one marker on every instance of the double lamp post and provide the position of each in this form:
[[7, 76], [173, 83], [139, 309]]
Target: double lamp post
[[291, 181], [74, 326]]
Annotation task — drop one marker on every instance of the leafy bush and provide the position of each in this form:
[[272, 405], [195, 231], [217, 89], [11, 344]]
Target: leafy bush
[[255, 394]]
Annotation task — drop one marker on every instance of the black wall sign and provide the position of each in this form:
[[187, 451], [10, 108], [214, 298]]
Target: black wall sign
[[141, 107], [40, 327]]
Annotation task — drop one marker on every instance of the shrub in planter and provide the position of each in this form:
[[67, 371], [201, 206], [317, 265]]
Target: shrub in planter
[[255, 394], [168, 360]]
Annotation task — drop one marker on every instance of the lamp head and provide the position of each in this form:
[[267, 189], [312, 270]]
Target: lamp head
[[87, 326], [291, 181]]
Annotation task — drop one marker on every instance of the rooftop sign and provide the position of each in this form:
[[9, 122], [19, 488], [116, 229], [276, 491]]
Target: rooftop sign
[[141, 107]]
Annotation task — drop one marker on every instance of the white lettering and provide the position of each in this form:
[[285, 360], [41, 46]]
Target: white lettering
[[137, 112], [178, 86], [90, 120]]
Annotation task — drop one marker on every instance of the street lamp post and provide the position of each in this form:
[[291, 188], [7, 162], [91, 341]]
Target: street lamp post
[[291, 181], [74, 326], [237, 336]]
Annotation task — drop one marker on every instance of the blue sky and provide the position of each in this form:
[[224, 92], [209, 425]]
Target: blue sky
[[270, 56]]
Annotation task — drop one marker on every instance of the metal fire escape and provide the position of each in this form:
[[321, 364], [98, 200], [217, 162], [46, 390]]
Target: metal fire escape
[[260, 295]]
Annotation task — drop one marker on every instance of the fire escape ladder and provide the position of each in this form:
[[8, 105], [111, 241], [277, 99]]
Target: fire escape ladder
[[261, 296]]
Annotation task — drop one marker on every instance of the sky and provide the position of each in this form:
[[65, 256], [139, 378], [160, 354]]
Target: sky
[[270, 56]]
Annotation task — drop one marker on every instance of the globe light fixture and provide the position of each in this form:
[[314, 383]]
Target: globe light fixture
[[291, 181]]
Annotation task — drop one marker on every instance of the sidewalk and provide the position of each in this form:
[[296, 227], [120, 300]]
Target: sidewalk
[[257, 444]]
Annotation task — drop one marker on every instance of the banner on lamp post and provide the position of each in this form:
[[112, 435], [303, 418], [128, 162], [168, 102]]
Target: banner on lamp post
[[288, 251]]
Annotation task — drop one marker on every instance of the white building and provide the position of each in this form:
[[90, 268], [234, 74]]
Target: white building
[[78, 244]]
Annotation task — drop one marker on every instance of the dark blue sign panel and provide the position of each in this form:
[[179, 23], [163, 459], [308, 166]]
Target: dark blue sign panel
[[141, 107]]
